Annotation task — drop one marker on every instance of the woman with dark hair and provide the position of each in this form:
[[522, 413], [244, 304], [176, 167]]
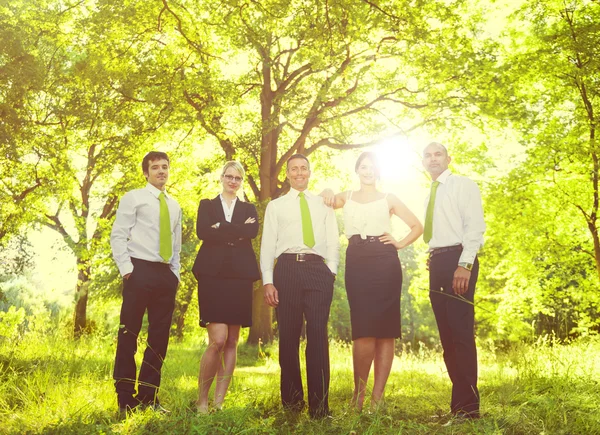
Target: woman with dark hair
[[373, 275], [225, 268]]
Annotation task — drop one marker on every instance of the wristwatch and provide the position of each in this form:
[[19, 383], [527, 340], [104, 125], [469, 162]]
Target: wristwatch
[[467, 266]]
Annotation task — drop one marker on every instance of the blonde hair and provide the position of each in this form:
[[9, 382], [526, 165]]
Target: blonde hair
[[235, 165]]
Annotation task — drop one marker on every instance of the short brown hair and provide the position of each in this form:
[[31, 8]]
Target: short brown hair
[[152, 156], [297, 156]]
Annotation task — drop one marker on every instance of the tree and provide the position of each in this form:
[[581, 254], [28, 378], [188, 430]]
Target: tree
[[544, 213], [24, 181], [102, 95], [272, 78]]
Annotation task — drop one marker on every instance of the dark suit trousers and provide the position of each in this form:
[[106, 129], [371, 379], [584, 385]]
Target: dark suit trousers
[[152, 287], [305, 290], [455, 318]]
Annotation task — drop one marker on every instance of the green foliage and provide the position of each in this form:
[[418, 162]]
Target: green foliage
[[10, 323], [541, 262]]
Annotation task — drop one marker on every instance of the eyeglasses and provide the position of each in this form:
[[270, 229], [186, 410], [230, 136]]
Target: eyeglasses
[[232, 178]]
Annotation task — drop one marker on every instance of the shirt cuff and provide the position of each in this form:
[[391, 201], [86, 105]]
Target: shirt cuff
[[126, 268], [176, 272], [267, 277], [333, 267], [467, 257]]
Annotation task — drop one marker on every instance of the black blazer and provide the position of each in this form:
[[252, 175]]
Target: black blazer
[[231, 238]]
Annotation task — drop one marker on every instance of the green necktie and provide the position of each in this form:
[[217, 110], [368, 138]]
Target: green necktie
[[307, 228], [165, 246], [428, 233]]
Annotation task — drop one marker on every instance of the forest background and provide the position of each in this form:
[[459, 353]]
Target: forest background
[[511, 87]]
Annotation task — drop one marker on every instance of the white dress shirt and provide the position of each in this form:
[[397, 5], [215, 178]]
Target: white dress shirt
[[457, 215], [228, 211], [282, 232], [136, 231]]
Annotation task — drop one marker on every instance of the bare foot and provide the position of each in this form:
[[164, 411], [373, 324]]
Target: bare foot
[[201, 408], [377, 404], [357, 402]]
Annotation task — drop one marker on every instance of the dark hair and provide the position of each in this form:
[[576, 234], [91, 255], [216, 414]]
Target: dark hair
[[297, 156], [371, 156], [152, 156]]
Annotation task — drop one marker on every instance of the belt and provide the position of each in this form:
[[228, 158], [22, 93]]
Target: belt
[[436, 251], [300, 257], [357, 240], [153, 263]]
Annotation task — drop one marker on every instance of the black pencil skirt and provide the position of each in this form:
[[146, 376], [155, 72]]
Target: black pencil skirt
[[225, 300], [373, 285]]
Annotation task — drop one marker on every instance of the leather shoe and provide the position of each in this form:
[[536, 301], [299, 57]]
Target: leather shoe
[[294, 407], [321, 415], [156, 407], [460, 419], [127, 405]]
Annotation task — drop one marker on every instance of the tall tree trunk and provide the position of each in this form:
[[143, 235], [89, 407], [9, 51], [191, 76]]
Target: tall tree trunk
[[262, 314], [262, 317], [81, 297], [181, 307]]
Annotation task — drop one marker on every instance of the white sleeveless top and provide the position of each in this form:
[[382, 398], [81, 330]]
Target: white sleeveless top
[[368, 219]]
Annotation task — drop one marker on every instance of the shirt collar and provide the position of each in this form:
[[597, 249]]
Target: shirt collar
[[154, 191], [294, 193], [444, 176], [232, 202]]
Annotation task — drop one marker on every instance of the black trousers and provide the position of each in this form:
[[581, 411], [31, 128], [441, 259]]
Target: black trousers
[[152, 287], [455, 317], [305, 290]]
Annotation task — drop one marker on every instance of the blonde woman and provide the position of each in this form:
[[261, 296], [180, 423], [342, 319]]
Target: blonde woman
[[373, 275], [225, 268]]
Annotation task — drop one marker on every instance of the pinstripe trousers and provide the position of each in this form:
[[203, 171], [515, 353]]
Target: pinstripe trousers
[[305, 289]]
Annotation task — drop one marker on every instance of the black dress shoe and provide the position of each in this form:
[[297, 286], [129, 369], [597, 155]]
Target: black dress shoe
[[127, 403], [460, 418], [294, 407], [320, 415], [156, 407]]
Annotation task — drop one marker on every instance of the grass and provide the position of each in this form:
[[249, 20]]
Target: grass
[[51, 384]]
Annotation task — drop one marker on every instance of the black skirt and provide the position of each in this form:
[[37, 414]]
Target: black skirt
[[225, 300], [373, 285]]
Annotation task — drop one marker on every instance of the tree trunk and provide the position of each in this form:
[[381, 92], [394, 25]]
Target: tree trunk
[[181, 306], [262, 314], [262, 317], [81, 297]]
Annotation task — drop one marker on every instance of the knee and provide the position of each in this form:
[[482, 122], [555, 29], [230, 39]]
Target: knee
[[232, 342], [218, 344]]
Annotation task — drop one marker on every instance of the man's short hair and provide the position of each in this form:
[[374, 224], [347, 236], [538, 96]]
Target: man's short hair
[[438, 145], [297, 156], [152, 156]]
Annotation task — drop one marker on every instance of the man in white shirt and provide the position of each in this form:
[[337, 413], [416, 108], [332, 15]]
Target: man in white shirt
[[146, 242], [454, 228], [301, 233]]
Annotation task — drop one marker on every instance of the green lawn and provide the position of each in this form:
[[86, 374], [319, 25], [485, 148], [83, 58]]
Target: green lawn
[[51, 384]]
